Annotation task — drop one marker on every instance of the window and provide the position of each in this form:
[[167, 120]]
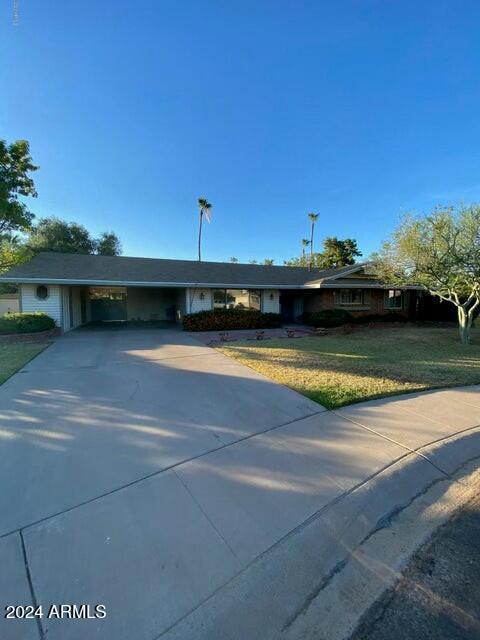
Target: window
[[42, 292], [237, 299], [393, 299], [351, 297]]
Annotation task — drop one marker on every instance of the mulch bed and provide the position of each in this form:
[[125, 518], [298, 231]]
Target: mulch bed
[[39, 336]]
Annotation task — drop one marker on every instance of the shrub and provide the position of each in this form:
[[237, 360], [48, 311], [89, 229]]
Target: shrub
[[327, 318], [230, 319], [12, 323]]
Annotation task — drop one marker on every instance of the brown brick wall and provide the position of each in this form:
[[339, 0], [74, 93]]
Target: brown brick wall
[[374, 302]]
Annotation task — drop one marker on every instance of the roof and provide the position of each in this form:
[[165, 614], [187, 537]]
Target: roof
[[74, 268]]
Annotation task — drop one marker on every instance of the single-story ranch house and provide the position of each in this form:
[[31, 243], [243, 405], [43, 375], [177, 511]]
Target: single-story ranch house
[[75, 289]]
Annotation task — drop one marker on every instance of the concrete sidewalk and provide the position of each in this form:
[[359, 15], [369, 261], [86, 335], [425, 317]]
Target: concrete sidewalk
[[231, 540]]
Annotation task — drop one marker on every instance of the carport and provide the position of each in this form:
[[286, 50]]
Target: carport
[[106, 304]]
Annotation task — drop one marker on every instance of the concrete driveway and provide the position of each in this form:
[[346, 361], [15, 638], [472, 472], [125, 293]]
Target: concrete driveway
[[144, 471]]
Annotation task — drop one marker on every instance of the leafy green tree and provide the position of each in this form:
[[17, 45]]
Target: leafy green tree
[[253, 261], [204, 208], [338, 253], [15, 181], [442, 253], [108, 244], [233, 259], [13, 251], [268, 262], [53, 234]]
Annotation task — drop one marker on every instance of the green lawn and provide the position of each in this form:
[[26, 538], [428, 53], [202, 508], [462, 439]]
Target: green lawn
[[336, 370], [14, 355]]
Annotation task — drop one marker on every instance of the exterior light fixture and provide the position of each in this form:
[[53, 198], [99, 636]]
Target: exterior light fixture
[[202, 296], [271, 296]]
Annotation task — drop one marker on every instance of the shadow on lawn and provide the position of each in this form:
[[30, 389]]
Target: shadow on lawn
[[337, 370]]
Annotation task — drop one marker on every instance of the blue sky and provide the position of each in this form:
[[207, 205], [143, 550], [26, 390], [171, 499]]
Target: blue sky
[[358, 110]]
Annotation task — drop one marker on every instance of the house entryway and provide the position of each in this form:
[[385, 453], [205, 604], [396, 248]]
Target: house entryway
[[291, 306]]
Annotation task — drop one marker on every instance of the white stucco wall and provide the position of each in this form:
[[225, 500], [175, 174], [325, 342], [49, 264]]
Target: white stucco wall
[[271, 301], [52, 305]]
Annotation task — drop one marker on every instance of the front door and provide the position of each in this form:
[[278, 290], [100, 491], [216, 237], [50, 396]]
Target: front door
[[298, 309], [287, 310]]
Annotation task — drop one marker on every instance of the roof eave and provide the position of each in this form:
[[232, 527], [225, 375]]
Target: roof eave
[[134, 283], [377, 285]]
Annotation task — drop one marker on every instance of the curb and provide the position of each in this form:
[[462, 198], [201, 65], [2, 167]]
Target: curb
[[323, 576]]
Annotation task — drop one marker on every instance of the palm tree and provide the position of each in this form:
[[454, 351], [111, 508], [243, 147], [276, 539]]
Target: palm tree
[[313, 219], [305, 244], [205, 208]]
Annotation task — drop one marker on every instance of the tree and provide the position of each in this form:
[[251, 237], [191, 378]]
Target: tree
[[12, 251], [205, 208], [441, 252], [313, 219], [338, 253], [53, 234], [108, 244], [233, 259], [305, 244], [15, 181], [268, 262], [253, 261]]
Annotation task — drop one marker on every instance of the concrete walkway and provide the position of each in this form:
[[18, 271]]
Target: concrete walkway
[[146, 472]]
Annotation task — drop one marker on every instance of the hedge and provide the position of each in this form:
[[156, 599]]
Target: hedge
[[12, 323], [229, 319], [327, 318]]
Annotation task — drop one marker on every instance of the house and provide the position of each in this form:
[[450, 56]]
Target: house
[[75, 289]]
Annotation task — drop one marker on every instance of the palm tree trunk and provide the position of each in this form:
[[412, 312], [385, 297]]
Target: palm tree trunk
[[311, 247], [200, 238]]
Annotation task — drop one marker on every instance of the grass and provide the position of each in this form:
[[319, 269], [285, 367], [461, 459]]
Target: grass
[[336, 370], [13, 356]]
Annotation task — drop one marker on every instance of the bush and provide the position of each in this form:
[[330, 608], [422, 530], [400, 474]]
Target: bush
[[327, 318], [12, 323], [229, 319]]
